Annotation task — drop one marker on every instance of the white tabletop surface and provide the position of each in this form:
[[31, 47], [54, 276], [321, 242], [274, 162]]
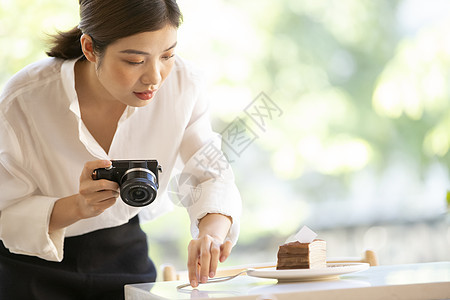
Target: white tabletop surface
[[413, 281]]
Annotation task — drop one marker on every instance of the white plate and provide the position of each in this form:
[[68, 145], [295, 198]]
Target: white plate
[[332, 271]]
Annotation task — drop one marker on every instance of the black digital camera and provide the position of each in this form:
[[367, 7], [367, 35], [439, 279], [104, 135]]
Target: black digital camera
[[137, 179]]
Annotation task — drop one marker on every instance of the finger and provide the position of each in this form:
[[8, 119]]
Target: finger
[[104, 204], [192, 264], [215, 253], [225, 250], [205, 258], [101, 196], [90, 207], [90, 166], [92, 186]]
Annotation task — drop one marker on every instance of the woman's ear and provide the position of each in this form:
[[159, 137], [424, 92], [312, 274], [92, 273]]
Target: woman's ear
[[87, 47]]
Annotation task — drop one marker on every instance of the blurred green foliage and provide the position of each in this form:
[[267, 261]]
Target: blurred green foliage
[[24, 29], [364, 88]]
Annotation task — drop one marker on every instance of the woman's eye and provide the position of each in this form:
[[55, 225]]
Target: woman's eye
[[135, 62], [168, 57]]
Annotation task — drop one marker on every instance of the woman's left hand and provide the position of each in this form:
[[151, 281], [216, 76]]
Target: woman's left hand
[[205, 252]]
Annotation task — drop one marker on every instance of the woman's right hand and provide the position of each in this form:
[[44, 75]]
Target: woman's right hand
[[93, 198]]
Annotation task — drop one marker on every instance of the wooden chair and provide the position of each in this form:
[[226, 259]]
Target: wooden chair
[[170, 274], [369, 257]]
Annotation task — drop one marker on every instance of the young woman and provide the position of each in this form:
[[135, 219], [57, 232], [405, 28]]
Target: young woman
[[112, 88]]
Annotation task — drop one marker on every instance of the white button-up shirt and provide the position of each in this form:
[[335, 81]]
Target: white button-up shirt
[[44, 145]]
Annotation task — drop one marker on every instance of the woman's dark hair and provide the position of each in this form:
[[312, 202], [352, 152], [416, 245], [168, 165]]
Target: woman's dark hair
[[106, 21]]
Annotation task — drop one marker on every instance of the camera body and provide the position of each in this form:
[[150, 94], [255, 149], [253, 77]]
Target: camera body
[[137, 179]]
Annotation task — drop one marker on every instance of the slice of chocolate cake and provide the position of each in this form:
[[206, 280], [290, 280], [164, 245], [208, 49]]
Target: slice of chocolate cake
[[296, 255]]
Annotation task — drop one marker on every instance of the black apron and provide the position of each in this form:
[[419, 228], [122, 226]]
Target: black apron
[[96, 265]]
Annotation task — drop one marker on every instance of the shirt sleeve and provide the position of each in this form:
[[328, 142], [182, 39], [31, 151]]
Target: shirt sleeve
[[24, 214], [207, 175]]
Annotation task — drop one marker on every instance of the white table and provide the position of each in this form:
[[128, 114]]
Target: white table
[[413, 281]]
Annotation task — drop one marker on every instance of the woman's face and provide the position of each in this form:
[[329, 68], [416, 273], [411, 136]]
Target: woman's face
[[132, 69]]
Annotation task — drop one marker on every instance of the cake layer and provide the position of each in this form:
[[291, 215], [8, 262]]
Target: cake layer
[[296, 255], [287, 267], [294, 259]]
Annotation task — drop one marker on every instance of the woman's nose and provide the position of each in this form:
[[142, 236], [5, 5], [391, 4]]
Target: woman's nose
[[152, 75]]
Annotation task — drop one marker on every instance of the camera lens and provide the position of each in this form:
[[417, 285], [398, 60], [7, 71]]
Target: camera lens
[[138, 194], [138, 187]]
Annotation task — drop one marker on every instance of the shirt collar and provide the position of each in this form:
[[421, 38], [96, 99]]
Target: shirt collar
[[68, 79]]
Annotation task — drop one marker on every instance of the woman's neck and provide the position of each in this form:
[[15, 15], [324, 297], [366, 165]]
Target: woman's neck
[[91, 93], [99, 114]]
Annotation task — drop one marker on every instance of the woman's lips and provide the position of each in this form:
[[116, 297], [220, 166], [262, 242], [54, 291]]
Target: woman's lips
[[147, 95]]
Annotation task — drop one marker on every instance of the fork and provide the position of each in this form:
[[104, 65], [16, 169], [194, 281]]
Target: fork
[[215, 280]]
